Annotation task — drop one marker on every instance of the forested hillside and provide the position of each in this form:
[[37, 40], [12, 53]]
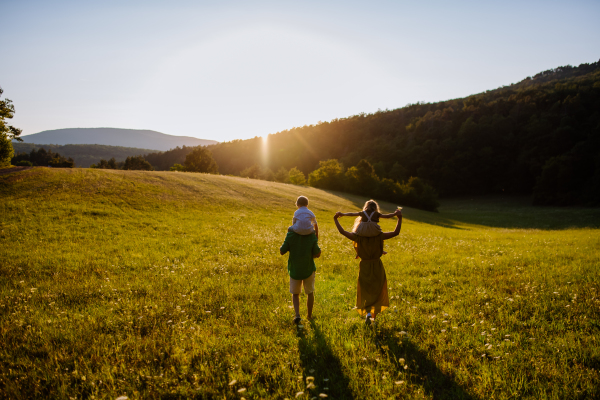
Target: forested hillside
[[141, 138], [540, 136], [84, 155]]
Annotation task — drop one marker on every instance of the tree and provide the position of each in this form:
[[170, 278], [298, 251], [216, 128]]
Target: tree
[[282, 175], [137, 163], [327, 176], [201, 160], [398, 173], [103, 164], [7, 132], [297, 177], [177, 167], [252, 172], [361, 179]]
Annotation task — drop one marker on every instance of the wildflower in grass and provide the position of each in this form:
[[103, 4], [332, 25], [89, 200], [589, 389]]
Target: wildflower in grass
[[299, 394], [300, 326], [122, 398], [310, 378], [322, 395], [399, 382], [241, 390], [325, 379], [310, 386], [311, 370], [401, 361], [233, 382]]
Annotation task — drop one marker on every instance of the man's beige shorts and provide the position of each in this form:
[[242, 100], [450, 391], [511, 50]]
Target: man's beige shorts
[[308, 283]]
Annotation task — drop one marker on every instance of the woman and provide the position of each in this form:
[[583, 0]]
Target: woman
[[372, 290]]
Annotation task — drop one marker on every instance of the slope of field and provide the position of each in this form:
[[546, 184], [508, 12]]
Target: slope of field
[[115, 137], [170, 285]]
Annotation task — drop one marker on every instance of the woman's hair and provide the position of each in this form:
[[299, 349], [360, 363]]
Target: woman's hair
[[369, 207]]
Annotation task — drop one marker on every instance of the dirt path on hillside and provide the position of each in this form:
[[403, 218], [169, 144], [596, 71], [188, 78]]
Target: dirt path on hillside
[[13, 169]]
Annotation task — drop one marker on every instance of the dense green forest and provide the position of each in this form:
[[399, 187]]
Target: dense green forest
[[84, 155], [540, 136], [164, 160], [41, 157]]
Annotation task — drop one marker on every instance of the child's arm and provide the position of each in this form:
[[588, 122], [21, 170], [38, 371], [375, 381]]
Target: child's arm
[[390, 215], [348, 214]]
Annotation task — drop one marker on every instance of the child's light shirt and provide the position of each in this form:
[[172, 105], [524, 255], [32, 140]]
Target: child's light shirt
[[304, 221]]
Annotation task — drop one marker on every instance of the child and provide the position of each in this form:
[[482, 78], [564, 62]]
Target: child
[[301, 267], [304, 221], [367, 221]]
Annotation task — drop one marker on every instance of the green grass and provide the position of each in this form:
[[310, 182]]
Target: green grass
[[170, 285]]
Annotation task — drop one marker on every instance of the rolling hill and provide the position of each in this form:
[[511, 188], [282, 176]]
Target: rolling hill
[[144, 139], [540, 136]]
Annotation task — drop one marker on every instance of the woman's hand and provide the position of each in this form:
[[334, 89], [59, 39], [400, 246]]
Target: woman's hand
[[398, 213]]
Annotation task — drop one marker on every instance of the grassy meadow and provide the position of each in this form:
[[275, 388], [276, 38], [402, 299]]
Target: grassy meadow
[[170, 285]]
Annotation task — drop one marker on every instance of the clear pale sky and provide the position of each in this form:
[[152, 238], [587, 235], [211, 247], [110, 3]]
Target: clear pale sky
[[228, 70]]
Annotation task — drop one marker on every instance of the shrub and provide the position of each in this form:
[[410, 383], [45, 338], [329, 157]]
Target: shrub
[[24, 163], [297, 177], [329, 175]]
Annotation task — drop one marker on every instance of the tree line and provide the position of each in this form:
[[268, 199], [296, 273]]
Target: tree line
[[540, 136], [41, 157], [84, 155], [198, 159]]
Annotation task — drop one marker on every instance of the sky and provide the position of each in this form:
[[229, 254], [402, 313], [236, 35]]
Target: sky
[[226, 70]]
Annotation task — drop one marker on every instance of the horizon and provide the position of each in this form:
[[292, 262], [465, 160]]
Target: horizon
[[237, 70]]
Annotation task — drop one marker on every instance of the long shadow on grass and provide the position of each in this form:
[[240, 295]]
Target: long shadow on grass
[[316, 356], [436, 383]]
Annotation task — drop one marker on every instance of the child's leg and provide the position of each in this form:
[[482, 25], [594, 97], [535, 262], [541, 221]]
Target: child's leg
[[296, 303], [310, 302]]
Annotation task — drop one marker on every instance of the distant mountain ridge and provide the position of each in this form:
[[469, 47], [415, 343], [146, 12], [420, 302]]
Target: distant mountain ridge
[[145, 139]]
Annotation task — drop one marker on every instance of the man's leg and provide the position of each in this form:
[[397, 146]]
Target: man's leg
[[310, 301], [296, 303]]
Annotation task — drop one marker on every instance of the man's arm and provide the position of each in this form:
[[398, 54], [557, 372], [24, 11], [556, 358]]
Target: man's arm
[[316, 249], [396, 232], [341, 230], [285, 247], [316, 229]]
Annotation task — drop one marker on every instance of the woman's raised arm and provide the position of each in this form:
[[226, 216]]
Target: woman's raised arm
[[396, 232], [349, 235]]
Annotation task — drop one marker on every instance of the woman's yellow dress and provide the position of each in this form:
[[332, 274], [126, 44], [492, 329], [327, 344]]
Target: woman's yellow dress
[[372, 289]]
